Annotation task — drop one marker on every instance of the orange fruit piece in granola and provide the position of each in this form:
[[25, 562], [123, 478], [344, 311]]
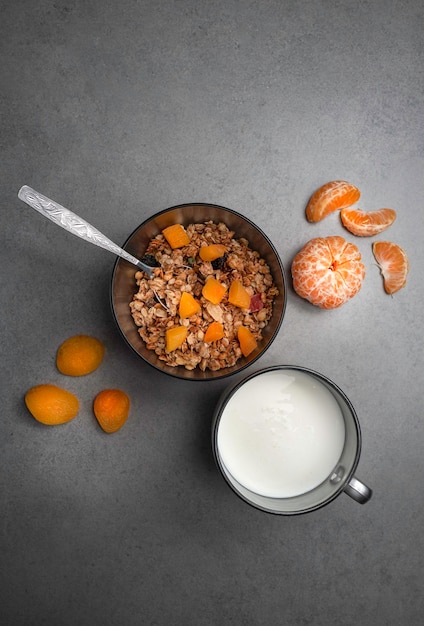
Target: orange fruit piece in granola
[[176, 235], [332, 196], [246, 340], [327, 271], [51, 405], [79, 355], [111, 408], [188, 305], [214, 331], [368, 224], [393, 263], [212, 252], [175, 337], [213, 290], [238, 295]]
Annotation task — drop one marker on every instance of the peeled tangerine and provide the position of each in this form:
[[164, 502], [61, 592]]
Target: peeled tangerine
[[51, 405], [328, 271]]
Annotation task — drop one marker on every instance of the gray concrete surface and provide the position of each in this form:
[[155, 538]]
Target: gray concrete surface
[[118, 109]]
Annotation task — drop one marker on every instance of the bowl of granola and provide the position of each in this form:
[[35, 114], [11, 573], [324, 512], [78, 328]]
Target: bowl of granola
[[215, 301]]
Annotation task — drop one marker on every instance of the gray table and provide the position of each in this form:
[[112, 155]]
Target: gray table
[[118, 109]]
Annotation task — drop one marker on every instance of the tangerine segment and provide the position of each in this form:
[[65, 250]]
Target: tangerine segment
[[365, 224], [111, 408], [332, 196], [79, 355], [328, 271], [393, 263], [51, 405]]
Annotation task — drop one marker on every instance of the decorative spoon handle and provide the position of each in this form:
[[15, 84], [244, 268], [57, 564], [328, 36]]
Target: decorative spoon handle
[[72, 223]]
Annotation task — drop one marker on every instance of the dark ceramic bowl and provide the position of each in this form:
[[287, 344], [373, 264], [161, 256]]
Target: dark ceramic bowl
[[123, 285]]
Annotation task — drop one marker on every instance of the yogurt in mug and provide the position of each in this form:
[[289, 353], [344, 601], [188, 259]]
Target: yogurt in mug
[[281, 433]]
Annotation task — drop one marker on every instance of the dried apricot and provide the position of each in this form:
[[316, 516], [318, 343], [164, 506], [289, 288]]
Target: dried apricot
[[79, 355], [176, 235], [51, 405], [246, 340], [212, 252], [188, 305], [111, 408], [175, 337], [238, 295], [214, 331], [213, 290]]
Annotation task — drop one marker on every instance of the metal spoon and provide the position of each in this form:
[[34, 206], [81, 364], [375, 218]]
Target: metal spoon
[[79, 227]]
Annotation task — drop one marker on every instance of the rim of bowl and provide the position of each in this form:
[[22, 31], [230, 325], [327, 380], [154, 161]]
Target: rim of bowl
[[198, 375]]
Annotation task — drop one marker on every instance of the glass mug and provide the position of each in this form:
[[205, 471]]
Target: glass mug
[[287, 440]]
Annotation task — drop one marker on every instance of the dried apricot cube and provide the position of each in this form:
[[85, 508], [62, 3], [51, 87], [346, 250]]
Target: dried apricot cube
[[188, 305], [246, 340], [238, 295], [175, 337], [214, 331], [213, 290], [212, 252], [176, 235]]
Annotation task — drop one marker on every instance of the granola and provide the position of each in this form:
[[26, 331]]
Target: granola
[[181, 270]]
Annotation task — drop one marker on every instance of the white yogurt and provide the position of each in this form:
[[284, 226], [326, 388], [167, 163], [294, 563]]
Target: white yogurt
[[281, 434]]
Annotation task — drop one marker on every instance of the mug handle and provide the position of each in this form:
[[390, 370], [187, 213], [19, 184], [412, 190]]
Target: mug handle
[[358, 490]]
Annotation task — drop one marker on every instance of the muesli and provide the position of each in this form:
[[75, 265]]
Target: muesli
[[181, 270]]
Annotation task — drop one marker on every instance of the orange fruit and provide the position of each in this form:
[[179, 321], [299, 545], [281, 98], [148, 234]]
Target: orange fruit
[[214, 332], [332, 196], [188, 305], [111, 408], [51, 405], [246, 340], [176, 236], [175, 337], [212, 252], [79, 355], [213, 290], [393, 263], [238, 295], [327, 271], [365, 224]]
